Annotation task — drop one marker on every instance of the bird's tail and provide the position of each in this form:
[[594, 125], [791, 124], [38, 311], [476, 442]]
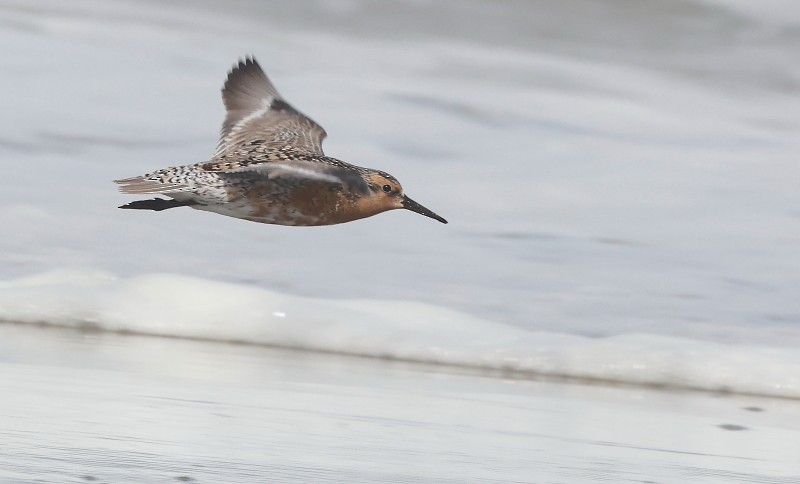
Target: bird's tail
[[139, 184]]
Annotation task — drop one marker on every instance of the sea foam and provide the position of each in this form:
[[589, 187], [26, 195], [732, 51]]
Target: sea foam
[[177, 306]]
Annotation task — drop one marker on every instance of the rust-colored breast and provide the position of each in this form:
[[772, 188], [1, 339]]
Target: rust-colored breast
[[308, 203]]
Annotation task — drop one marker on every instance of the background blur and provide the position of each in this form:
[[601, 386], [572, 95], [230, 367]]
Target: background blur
[[607, 168], [621, 181]]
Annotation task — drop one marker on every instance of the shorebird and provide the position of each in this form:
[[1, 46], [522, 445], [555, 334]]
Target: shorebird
[[269, 167]]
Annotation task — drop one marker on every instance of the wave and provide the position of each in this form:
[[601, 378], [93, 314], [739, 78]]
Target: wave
[[176, 306]]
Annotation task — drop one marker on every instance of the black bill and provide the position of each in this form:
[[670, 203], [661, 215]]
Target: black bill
[[409, 204]]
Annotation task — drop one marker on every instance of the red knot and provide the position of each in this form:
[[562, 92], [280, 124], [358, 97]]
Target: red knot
[[269, 167]]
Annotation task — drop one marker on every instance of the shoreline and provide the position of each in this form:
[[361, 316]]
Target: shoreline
[[91, 406], [423, 365]]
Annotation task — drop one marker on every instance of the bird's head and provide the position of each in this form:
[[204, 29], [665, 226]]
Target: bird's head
[[386, 193]]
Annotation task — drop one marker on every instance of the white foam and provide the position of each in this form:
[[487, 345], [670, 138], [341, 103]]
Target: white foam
[[180, 306]]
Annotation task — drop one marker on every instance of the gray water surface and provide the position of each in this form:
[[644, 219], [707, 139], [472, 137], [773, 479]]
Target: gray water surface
[[607, 167], [95, 407]]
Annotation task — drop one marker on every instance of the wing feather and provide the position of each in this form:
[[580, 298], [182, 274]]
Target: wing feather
[[255, 110]]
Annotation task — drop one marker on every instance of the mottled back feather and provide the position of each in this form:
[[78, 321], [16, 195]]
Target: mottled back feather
[[255, 110]]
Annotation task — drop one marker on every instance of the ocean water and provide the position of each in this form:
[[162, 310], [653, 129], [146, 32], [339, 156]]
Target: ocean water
[[620, 180], [106, 408]]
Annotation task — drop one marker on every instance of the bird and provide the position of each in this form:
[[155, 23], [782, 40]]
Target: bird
[[269, 167]]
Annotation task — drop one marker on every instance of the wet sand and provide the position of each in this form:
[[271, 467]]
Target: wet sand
[[96, 407]]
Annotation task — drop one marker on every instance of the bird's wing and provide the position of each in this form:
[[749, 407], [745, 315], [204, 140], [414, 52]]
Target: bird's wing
[[255, 110], [299, 171]]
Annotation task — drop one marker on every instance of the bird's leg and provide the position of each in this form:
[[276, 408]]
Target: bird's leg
[[158, 204]]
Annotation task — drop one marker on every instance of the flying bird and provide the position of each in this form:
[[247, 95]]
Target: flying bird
[[269, 167]]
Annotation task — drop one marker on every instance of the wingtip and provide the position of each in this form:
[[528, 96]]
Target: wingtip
[[246, 62], [244, 80]]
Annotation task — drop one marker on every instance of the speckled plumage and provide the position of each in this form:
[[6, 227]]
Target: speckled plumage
[[269, 167]]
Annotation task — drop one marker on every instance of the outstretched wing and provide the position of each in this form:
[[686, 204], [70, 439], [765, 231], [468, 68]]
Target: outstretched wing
[[255, 110]]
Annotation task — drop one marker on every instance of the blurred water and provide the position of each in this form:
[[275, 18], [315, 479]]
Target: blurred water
[[82, 408], [621, 182], [180, 307], [607, 167]]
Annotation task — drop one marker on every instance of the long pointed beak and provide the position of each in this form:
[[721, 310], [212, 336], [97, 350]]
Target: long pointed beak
[[409, 204]]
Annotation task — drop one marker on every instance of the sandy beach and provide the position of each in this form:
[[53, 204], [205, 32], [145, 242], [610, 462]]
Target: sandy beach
[[94, 407]]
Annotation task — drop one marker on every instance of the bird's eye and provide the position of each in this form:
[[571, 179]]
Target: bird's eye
[[387, 188]]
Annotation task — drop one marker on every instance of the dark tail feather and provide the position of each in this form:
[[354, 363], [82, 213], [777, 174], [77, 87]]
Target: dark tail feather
[[157, 204]]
